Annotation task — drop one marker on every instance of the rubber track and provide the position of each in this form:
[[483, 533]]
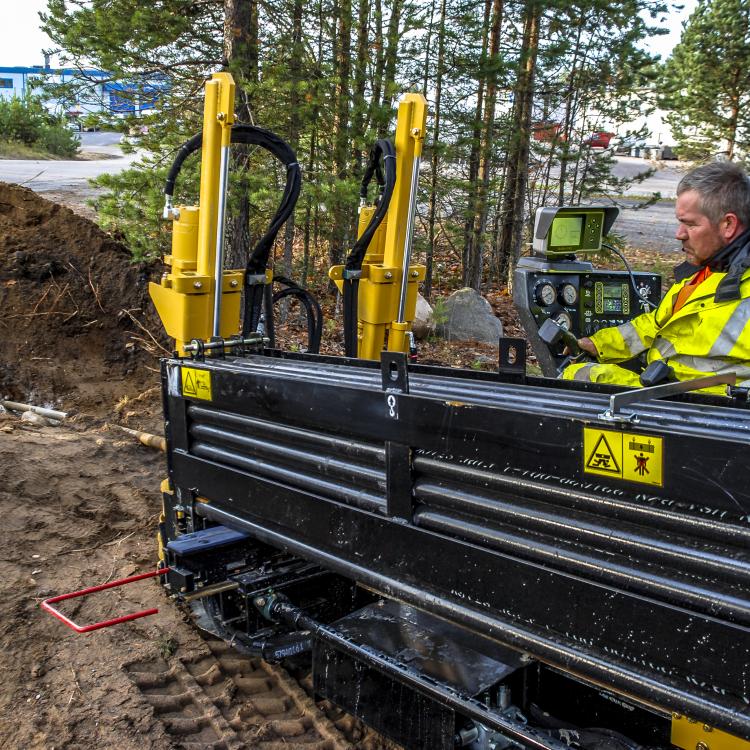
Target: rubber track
[[226, 701]]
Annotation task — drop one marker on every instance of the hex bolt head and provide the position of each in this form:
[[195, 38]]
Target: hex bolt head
[[701, 746], [415, 274], [197, 284], [233, 283], [388, 275]]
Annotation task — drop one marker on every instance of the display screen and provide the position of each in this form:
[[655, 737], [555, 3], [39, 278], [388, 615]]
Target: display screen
[[566, 231], [612, 291]]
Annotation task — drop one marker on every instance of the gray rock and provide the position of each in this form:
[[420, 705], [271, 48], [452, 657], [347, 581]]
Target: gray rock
[[423, 324], [467, 316]]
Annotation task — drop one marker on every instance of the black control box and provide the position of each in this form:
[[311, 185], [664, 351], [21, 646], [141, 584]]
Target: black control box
[[577, 297]]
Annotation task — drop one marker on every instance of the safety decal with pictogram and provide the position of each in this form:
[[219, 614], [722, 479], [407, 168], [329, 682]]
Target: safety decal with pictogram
[[623, 455], [196, 383]]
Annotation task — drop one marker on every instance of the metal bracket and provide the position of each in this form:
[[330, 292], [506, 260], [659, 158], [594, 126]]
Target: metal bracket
[[394, 371], [618, 400], [512, 356]]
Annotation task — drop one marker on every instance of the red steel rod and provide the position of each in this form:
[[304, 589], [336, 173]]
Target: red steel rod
[[47, 603]]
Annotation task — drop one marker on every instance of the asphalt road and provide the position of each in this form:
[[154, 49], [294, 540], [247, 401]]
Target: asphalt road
[[651, 228], [101, 154]]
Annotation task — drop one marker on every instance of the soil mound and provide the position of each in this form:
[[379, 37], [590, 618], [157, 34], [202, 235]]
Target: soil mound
[[77, 321]]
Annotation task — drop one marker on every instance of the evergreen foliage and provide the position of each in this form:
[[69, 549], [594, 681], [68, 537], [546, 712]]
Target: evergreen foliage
[[706, 81], [327, 74]]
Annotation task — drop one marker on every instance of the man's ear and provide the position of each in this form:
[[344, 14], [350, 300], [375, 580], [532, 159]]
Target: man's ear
[[730, 227]]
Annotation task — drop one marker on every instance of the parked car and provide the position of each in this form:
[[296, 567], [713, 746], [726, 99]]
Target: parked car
[[598, 139]]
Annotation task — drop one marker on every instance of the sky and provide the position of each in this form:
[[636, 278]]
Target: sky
[[21, 40]]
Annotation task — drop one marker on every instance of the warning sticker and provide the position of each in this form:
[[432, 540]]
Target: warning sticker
[[637, 458], [196, 383]]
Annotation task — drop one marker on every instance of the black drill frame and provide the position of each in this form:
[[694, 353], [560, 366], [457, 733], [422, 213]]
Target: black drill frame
[[466, 497]]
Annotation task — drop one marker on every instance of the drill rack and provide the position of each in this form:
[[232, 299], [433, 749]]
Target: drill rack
[[495, 503]]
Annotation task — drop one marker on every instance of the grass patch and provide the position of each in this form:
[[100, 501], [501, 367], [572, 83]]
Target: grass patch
[[17, 150]]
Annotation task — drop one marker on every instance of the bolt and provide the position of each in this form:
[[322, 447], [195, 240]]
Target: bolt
[[415, 274], [233, 283], [221, 117], [388, 275], [260, 602], [197, 284], [416, 132], [707, 728], [701, 746]]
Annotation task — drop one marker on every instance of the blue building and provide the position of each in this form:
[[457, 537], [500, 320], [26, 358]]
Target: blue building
[[90, 90]]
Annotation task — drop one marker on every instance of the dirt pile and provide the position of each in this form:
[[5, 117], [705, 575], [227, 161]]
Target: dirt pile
[[77, 322]]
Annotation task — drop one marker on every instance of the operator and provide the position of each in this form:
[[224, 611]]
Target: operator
[[701, 325]]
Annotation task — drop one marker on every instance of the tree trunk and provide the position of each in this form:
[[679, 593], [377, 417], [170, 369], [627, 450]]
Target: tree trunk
[[476, 263], [514, 191], [241, 57], [435, 156]]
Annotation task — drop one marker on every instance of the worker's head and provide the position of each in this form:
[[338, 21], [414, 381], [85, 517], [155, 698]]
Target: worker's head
[[713, 207]]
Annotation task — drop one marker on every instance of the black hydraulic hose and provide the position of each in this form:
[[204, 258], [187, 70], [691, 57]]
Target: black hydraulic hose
[[382, 152], [312, 310], [275, 648], [255, 297], [382, 149]]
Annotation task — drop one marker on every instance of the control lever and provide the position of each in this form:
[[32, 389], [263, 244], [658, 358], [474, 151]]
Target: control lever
[[553, 333], [656, 373]]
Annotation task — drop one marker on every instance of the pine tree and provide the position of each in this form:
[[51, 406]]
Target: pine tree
[[706, 81]]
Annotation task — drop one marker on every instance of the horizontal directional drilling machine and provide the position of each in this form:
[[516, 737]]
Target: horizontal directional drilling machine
[[467, 559]]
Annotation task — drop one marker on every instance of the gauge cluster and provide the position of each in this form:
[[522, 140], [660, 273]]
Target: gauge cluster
[[585, 302]]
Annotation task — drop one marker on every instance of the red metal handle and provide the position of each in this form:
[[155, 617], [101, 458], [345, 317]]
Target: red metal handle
[[47, 603]]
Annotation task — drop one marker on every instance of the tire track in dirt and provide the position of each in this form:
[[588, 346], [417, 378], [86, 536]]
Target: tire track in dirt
[[226, 701]]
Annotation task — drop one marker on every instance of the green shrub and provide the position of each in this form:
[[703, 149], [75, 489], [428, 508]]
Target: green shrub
[[26, 120]]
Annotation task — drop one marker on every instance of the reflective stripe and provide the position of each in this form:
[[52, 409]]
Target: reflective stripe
[[631, 338], [584, 372], [711, 366], [732, 330], [664, 347]]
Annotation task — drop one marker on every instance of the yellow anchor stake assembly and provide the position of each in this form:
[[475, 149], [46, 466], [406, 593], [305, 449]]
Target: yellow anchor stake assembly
[[388, 285], [188, 299]]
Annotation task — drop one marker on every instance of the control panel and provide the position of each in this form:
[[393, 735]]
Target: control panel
[[578, 298]]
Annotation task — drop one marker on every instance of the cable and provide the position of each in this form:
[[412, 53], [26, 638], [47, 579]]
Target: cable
[[630, 274], [383, 152]]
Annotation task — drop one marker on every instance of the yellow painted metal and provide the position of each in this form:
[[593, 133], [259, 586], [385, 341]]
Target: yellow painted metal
[[184, 297], [218, 116], [380, 284], [693, 735]]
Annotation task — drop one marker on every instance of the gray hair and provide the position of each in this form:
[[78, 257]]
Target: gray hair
[[722, 188]]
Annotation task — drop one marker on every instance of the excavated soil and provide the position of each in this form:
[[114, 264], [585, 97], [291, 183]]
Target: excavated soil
[[79, 503]]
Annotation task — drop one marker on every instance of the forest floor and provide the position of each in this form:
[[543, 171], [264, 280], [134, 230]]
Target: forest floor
[[80, 503]]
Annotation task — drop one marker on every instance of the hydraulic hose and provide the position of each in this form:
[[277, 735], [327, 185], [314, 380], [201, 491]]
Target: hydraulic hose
[[312, 310], [383, 153], [256, 297]]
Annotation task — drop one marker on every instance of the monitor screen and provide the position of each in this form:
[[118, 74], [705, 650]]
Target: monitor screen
[[566, 231]]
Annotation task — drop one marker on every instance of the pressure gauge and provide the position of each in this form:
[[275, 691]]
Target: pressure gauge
[[545, 294], [564, 320], [569, 294]]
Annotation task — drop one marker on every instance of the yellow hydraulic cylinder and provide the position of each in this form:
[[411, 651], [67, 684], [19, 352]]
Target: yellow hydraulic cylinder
[[383, 309], [185, 297]]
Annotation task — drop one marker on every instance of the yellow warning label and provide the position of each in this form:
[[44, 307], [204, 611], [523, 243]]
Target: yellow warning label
[[623, 455], [196, 383]]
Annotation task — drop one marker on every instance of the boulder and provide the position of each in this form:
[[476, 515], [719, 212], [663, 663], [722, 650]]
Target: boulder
[[423, 324], [467, 316]]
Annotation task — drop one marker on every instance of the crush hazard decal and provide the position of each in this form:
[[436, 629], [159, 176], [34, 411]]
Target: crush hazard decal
[[623, 455], [196, 383]]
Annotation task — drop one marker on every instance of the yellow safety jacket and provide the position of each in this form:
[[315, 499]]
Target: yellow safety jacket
[[704, 337]]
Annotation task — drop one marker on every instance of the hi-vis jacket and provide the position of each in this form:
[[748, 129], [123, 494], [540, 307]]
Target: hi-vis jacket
[[704, 337]]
